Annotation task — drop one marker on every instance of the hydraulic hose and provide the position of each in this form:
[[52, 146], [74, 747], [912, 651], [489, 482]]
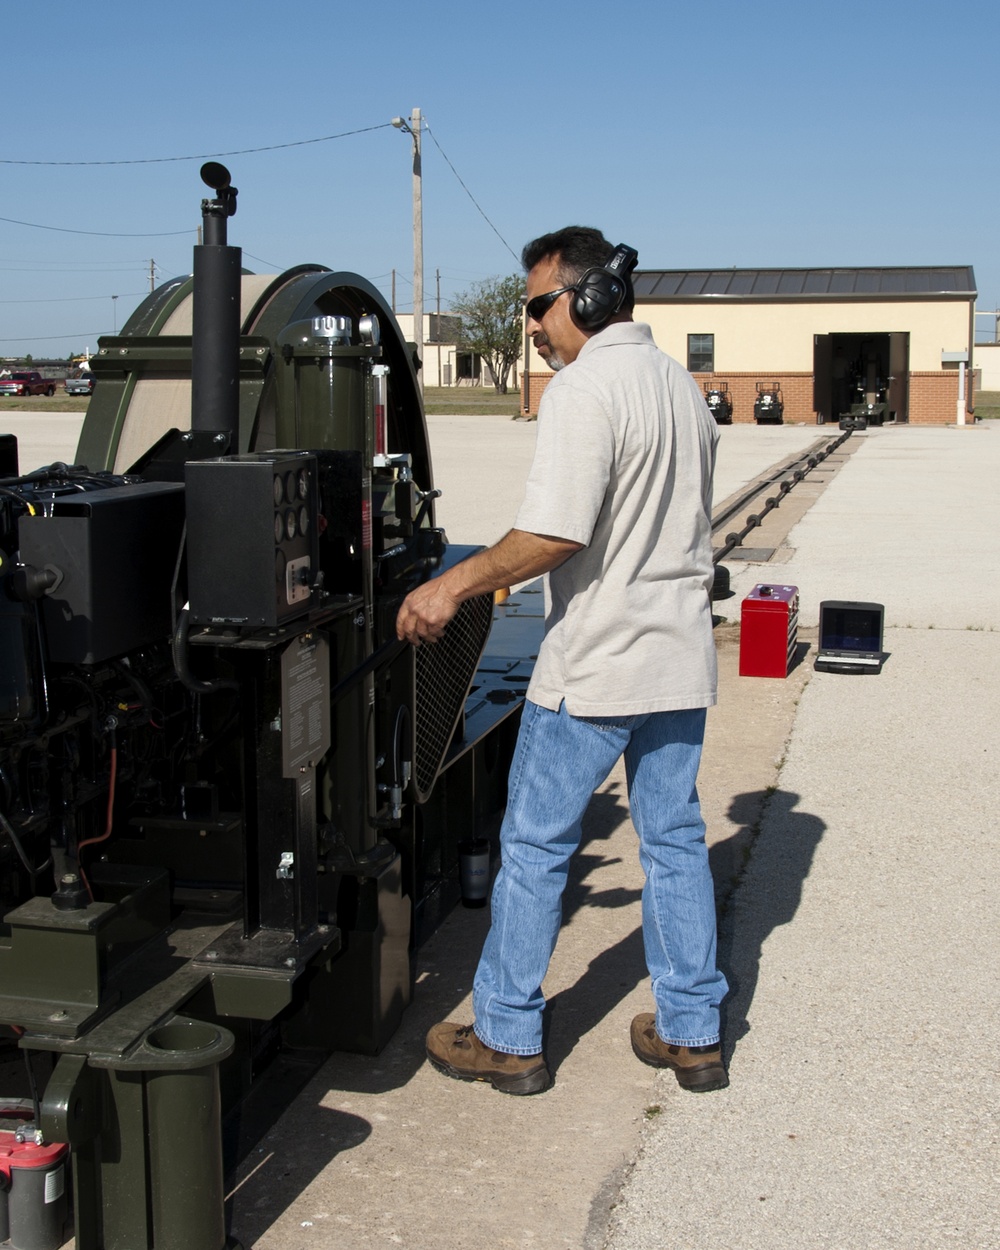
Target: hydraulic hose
[[179, 654]]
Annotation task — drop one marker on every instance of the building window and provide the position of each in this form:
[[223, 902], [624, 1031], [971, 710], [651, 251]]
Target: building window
[[701, 353], [443, 328]]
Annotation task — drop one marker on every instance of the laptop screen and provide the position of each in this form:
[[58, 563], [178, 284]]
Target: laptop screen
[[850, 629]]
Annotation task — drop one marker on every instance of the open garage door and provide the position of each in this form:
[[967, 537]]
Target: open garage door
[[861, 371], [899, 380], [822, 383]]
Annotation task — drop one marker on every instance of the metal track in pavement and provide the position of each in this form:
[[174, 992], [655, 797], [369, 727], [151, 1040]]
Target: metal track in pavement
[[787, 477]]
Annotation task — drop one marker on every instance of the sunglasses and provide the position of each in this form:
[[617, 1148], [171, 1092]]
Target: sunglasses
[[537, 308]]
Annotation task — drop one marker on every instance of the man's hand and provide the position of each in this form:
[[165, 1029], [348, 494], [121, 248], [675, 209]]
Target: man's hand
[[425, 612], [517, 557]]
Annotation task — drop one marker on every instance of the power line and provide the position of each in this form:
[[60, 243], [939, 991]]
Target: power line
[[104, 234], [54, 273], [469, 193], [23, 260], [205, 156], [76, 299], [271, 264], [274, 147], [55, 338]]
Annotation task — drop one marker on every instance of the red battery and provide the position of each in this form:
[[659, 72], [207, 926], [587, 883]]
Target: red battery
[[769, 630], [32, 1193]]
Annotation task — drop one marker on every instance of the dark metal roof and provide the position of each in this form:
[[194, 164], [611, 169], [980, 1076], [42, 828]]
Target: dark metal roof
[[902, 282]]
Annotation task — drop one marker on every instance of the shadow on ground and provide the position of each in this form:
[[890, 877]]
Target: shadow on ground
[[782, 841], [446, 965], [283, 1165], [281, 1176], [768, 826]]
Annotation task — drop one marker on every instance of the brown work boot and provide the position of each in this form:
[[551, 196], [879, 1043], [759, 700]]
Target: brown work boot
[[455, 1050], [697, 1068]]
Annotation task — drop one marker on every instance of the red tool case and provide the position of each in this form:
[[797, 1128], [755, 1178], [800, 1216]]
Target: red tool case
[[769, 629]]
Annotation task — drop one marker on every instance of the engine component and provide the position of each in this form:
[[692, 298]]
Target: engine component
[[105, 560], [32, 1192], [230, 800], [263, 571]]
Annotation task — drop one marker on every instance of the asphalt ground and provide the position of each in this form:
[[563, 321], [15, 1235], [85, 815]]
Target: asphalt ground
[[851, 824]]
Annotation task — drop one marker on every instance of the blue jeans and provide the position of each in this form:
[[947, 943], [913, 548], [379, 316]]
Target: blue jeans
[[559, 762]]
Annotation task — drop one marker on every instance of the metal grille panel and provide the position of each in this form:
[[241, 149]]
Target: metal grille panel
[[443, 676]]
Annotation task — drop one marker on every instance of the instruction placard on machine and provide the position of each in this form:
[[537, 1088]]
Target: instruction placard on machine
[[305, 703]]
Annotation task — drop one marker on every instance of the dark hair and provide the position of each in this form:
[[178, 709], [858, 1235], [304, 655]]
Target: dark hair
[[578, 248]]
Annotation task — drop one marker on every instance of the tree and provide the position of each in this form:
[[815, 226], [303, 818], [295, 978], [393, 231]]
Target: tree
[[492, 313]]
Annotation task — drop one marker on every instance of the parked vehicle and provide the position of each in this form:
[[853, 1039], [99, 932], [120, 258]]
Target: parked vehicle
[[27, 383], [769, 408], [83, 385], [720, 402], [871, 406]]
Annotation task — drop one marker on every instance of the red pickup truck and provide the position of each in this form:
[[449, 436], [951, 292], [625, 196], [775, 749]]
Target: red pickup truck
[[28, 383]]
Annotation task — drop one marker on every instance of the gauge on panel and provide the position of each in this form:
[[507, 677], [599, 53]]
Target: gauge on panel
[[369, 330]]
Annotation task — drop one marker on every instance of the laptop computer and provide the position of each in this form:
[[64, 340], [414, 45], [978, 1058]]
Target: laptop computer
[[850, 637]]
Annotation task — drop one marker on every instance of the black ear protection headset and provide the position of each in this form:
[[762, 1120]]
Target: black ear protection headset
[[602, 291]]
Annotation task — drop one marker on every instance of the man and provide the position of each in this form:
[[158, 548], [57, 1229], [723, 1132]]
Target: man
[[617, 514]]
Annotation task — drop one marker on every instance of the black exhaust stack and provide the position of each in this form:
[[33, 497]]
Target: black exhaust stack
[[215, 390]]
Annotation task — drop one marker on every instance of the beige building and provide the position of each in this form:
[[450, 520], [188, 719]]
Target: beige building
[[445, 363], [827, 338], [987, 366]]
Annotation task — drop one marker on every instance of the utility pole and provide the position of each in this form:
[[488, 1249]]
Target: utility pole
[[437, 276], [418, 245], [412, 128], [394, 290], [152, 276]]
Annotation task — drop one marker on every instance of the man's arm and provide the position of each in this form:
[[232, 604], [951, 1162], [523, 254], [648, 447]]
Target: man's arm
[[517, 557]]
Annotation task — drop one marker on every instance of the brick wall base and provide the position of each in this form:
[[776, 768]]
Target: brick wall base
[[532, 385], [796, 393], [932, 396]]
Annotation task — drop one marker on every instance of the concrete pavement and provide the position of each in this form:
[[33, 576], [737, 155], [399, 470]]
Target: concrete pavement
[[852, 823], [42, 437], [861, 942], [480, 465], [860, 891]]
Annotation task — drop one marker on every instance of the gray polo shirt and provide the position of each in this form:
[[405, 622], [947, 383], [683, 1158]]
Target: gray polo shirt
[[623, 464]]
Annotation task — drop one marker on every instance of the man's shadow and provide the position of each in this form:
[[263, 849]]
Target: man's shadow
[[777, 844], [768, 824], [616, 969]]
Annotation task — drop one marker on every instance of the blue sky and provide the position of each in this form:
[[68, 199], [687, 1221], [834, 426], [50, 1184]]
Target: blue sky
[[704, 135]]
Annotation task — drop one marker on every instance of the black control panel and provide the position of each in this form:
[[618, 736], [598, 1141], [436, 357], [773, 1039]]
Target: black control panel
[[252, 537]]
